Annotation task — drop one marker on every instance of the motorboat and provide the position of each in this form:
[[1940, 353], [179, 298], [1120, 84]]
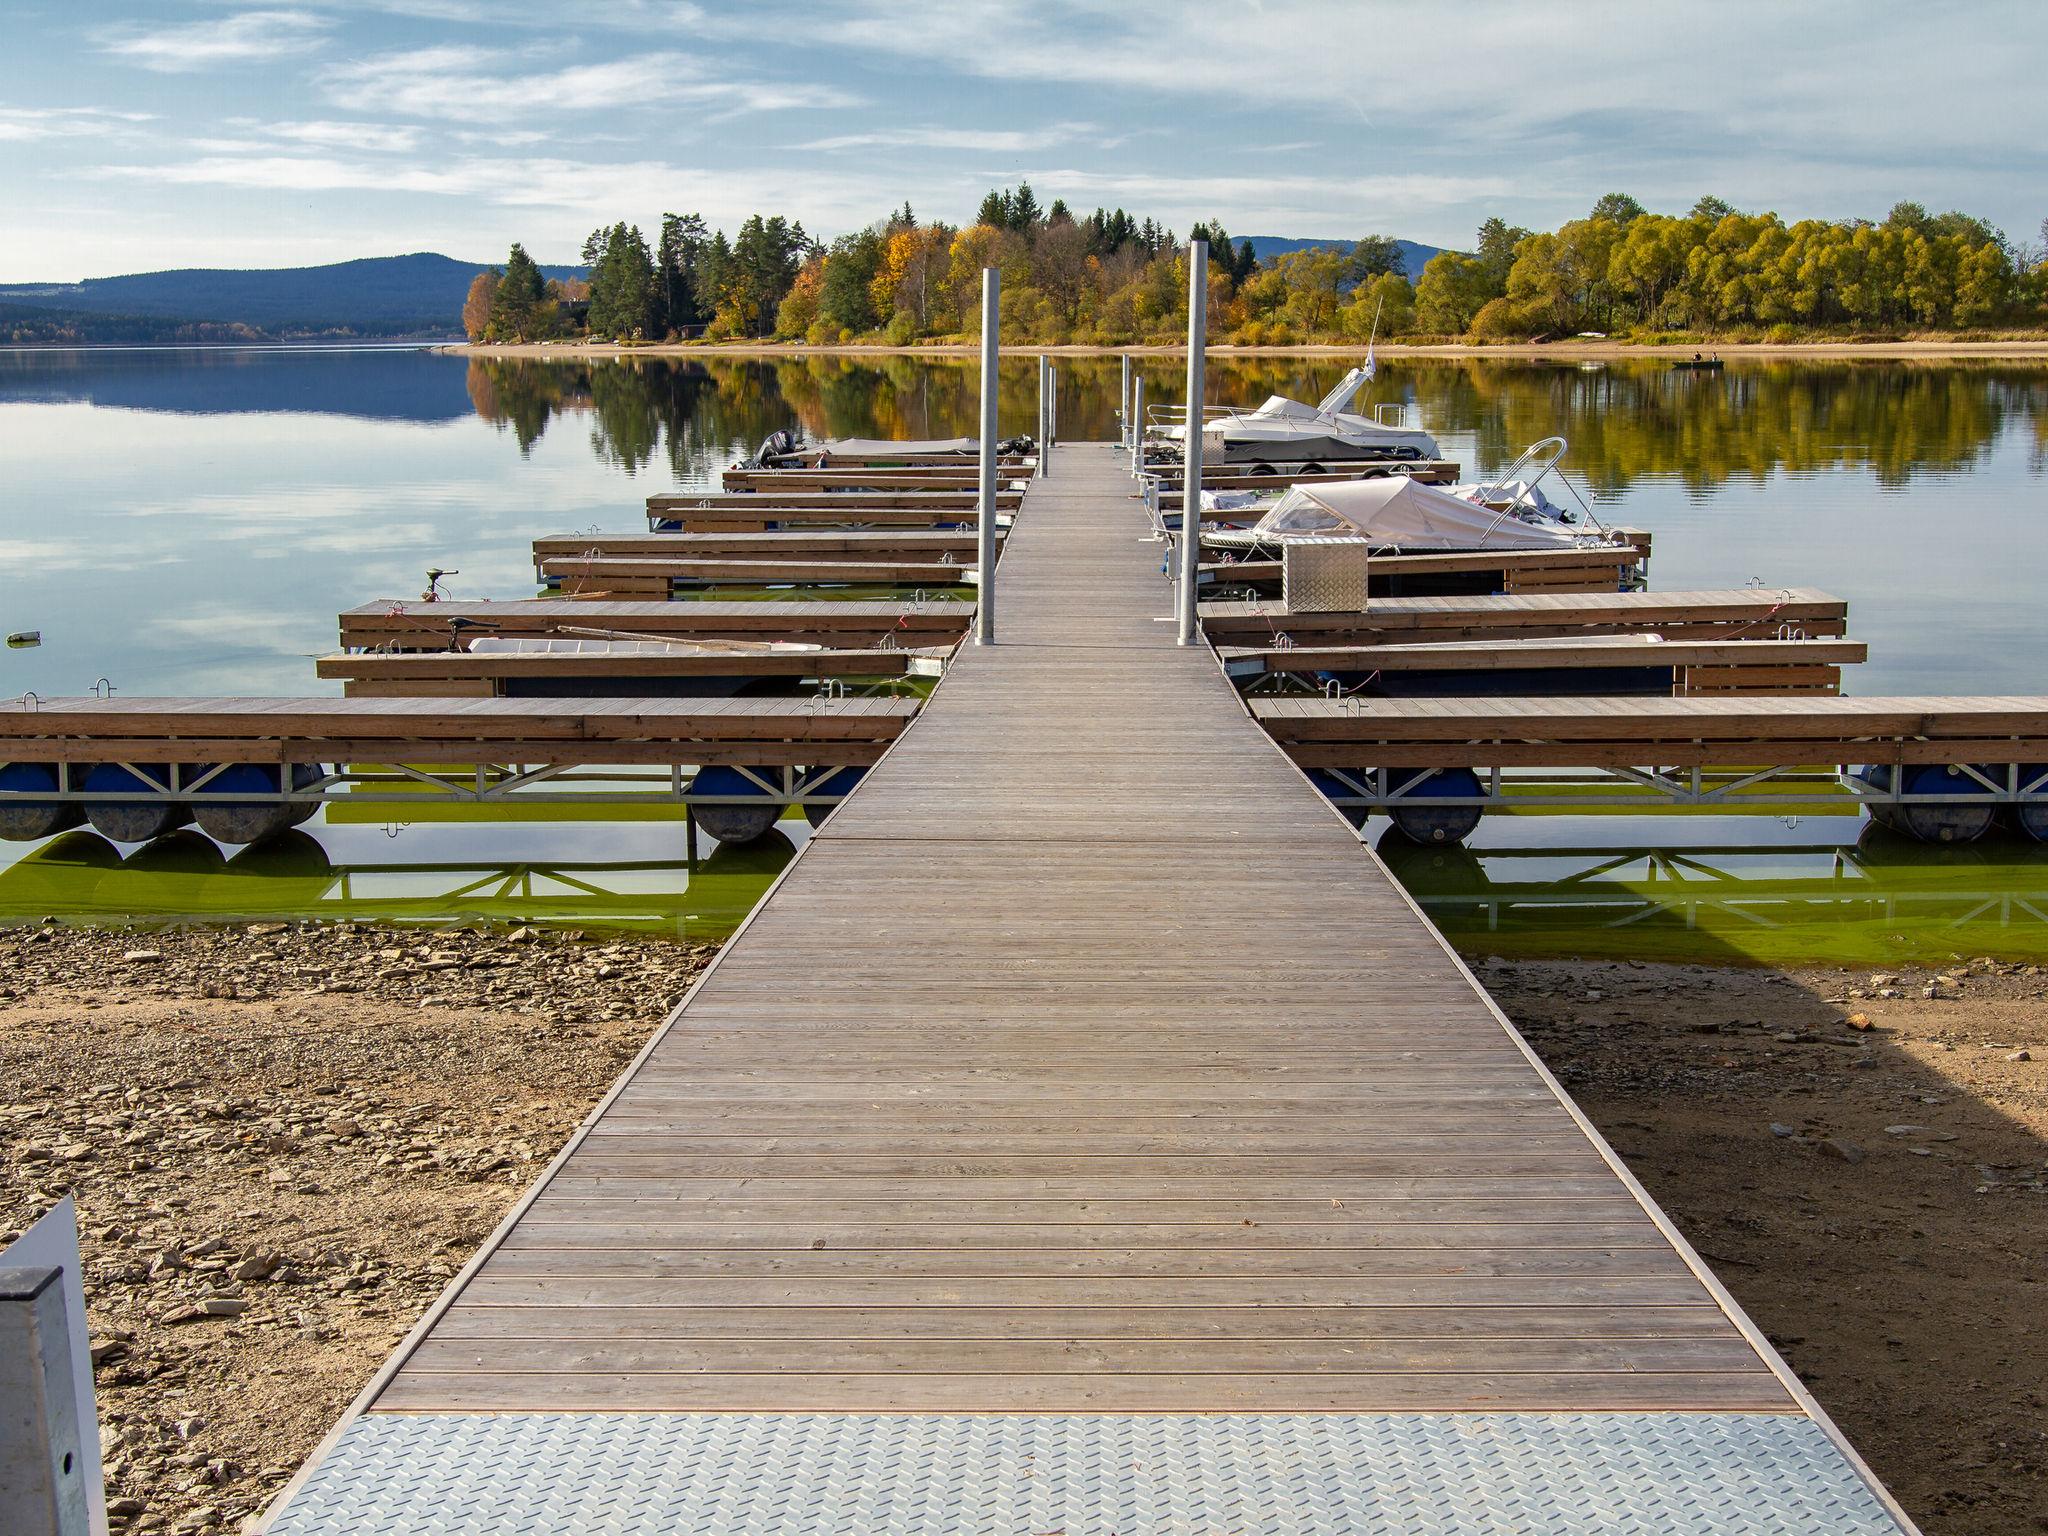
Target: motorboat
[[1284, 431], [1398, 512], [790, 449]]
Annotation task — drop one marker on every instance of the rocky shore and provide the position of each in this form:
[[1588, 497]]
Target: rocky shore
[[285, 1140]]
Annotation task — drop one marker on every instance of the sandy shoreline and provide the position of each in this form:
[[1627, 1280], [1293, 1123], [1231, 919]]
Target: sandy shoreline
[[1563, 352], [285, 1140]]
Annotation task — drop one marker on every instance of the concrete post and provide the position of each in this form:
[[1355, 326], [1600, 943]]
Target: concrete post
[[43, 1460], [1191, 460], [985, 528]]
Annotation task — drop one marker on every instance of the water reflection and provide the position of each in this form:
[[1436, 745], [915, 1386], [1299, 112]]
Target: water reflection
[[1625, 420], [1879, 899], [82, 877], [191, 522]]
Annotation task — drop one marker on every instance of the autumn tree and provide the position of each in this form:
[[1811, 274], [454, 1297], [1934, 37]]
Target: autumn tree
[[476, 308]]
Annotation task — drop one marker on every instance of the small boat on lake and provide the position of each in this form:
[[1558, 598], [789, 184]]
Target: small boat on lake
[[1284, 431], [1398, 513], [789, 449], [1697, 364]]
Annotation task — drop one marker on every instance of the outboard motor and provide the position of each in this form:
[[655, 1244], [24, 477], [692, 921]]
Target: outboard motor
[[775, 447]]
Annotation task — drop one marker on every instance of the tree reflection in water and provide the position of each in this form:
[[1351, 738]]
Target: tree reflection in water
[[1625, 420]]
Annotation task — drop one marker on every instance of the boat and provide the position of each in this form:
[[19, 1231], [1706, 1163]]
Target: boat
[[789, 449], [1398, 513], [1697, 365], [1284, 431]]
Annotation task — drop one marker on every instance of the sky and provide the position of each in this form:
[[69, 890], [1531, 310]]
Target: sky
[[137, 135]]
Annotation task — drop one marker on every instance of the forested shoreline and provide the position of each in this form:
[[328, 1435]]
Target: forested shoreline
[[1712, 274]]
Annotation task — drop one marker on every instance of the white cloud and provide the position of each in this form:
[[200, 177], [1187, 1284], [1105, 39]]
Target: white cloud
[[245, 38], [566, 196], [978, 140], [467, 84], [387, 138], [19, 124]]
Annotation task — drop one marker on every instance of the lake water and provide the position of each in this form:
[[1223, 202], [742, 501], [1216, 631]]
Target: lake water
[[192, 521]]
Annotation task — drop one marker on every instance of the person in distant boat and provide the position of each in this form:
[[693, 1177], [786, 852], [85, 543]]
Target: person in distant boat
[[1695, 357]]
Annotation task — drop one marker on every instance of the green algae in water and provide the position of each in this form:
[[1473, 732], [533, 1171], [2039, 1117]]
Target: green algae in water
[[1881, 900], [82, 878]]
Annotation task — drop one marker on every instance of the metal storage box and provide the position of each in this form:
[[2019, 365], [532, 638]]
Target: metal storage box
[[1323, 575]]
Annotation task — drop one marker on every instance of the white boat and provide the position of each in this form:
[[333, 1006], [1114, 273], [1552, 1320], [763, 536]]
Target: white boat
[[1284, 431], [1400, 513]]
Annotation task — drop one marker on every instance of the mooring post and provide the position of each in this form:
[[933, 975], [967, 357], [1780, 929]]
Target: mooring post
[[1138, 427], [985, 526], [1044, 416], [1123, 403], [1052, 403], [1191, 458]]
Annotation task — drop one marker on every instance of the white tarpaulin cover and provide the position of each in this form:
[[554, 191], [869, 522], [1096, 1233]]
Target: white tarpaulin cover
[[874, 447], [1406, 513]]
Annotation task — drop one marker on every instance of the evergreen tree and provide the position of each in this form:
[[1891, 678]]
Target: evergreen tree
[[1245, 263], [1058, 213], [517, 306], [624, 292], [1712, 209], [994, 211], [1024, 214], [681, 259]]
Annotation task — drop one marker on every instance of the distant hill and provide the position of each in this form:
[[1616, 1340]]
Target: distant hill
[[1413, 255], [417, 295]]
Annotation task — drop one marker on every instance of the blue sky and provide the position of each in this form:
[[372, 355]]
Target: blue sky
[[136, 136]]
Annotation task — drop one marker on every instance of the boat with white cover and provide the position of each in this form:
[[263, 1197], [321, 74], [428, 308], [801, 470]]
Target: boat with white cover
[[1399, 513], [1284, 431]]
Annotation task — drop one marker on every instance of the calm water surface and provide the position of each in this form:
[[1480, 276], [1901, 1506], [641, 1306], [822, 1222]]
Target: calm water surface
[[177, 521]]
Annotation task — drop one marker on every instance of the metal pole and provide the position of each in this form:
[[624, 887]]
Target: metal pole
[[1137, 424], [985, 526], [1052, 404], [1044, 416], [1123, 404], [1191, 461]]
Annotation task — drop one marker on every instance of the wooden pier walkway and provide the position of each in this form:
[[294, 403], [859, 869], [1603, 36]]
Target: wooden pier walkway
[[1085, 1134]]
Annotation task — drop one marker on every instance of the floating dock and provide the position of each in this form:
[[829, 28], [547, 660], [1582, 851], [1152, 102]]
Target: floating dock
[[1086, 1134], [395, 625]]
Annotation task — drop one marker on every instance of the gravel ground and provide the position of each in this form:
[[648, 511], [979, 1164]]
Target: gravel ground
[[285, 1140], [1863, 1159], [274, 1181]]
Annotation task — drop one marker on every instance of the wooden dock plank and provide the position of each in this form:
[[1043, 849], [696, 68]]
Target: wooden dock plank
[[1084, 1062]]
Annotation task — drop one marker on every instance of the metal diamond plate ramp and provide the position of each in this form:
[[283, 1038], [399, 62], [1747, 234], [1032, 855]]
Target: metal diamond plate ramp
[[626, 1474]]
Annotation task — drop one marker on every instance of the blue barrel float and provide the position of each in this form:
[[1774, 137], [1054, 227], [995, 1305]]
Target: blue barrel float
[[1963, 816], [1418, 814], [28, 821], [227, 819], [2031, 816], [736, 823], [134, 821], [839, 781]]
